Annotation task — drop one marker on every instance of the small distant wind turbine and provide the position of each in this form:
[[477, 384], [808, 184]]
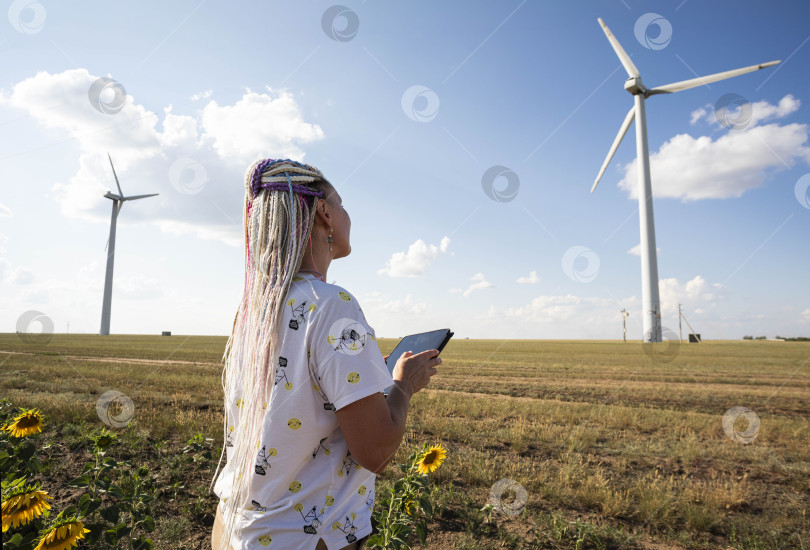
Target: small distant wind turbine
[[649, 263], [118, 202]]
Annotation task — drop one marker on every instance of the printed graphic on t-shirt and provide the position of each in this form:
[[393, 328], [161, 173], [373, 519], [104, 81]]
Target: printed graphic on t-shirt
[[262, 464], [327, 406], [320, 448], [348, 465], [281, 374], [347, 527], [347, 336], [312, 519], [299, 312]]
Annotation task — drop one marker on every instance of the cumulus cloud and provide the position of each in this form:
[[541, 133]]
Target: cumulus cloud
[[202, 95], [532, 279], [690, 168], [414, 262], [5, 211], [196, 163], [14, 275], [696, 295], [636, 250], [381, 304], [759, 111], [805, 315], [479, 281]]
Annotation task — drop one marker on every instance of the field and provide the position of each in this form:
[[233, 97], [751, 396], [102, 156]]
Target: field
[[617, 445]]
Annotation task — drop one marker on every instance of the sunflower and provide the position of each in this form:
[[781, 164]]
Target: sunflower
[[28, 422], [431, 460], [23, 505], [64, 535], [410, 507]]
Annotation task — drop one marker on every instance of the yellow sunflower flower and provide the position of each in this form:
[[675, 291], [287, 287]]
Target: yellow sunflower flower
[[63, 536], [410, 507], [21, 508], [431, 460], [28, 422]]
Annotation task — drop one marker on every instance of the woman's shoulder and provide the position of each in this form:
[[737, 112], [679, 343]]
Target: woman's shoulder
[[327, 292]]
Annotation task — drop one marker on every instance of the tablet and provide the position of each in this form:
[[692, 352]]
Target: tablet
[[417, 343]]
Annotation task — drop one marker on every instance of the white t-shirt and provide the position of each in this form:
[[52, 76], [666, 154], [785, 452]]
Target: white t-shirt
[[306, 485]]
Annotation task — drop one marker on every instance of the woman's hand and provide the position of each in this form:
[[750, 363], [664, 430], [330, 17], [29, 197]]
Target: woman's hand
[[413, 372]]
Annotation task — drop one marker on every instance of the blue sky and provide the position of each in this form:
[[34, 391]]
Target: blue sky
[[405, 113]]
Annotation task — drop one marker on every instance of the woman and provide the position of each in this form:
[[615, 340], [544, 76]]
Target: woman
[[307, 426]]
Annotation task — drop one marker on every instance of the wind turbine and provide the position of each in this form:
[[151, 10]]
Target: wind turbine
[[649, 262], [118, 202]]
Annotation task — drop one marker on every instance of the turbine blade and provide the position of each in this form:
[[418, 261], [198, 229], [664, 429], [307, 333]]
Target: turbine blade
[[116, 176], [623, 57], [701, 80], [628, 120], [106, 244], [132, 198]]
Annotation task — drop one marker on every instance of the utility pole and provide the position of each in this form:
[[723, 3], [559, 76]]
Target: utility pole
[[680, 326], [624, 323]]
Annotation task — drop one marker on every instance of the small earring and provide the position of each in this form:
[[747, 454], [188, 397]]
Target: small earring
[[329, 240]]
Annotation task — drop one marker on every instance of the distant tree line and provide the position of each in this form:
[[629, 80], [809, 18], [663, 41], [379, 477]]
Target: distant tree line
[[796, 339]]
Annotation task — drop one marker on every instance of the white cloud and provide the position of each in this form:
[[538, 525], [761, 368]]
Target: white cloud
[[382, 305], [636, 250], [805, 315], [415, 261], [221, 139], [14, 275], [258, 123], [138, 288], [691, 168], [759, 112], [5, 211], [550, 310], [479, 281], [202, 95], [697, 296], [532, 279]]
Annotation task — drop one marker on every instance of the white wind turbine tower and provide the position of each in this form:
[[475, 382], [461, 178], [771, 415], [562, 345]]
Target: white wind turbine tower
[[118, 202], [649, 263]]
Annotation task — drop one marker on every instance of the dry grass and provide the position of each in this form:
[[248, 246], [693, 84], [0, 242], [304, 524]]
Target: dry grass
[[614, 449]]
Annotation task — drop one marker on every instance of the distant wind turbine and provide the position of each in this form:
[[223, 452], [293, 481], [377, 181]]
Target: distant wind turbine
[[649, 262], [118, 202]]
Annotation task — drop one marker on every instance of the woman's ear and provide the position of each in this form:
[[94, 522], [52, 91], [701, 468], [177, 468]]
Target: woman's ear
[[322, 213]]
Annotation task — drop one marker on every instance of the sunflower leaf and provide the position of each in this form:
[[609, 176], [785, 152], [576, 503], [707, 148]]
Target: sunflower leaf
[[81, 481], [110, 513], [421, 532], [424, 503]]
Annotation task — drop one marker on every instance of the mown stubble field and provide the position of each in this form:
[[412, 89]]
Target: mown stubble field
[[616, 446]]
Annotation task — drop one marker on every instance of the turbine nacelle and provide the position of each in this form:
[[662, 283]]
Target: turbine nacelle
[[634, 86]]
